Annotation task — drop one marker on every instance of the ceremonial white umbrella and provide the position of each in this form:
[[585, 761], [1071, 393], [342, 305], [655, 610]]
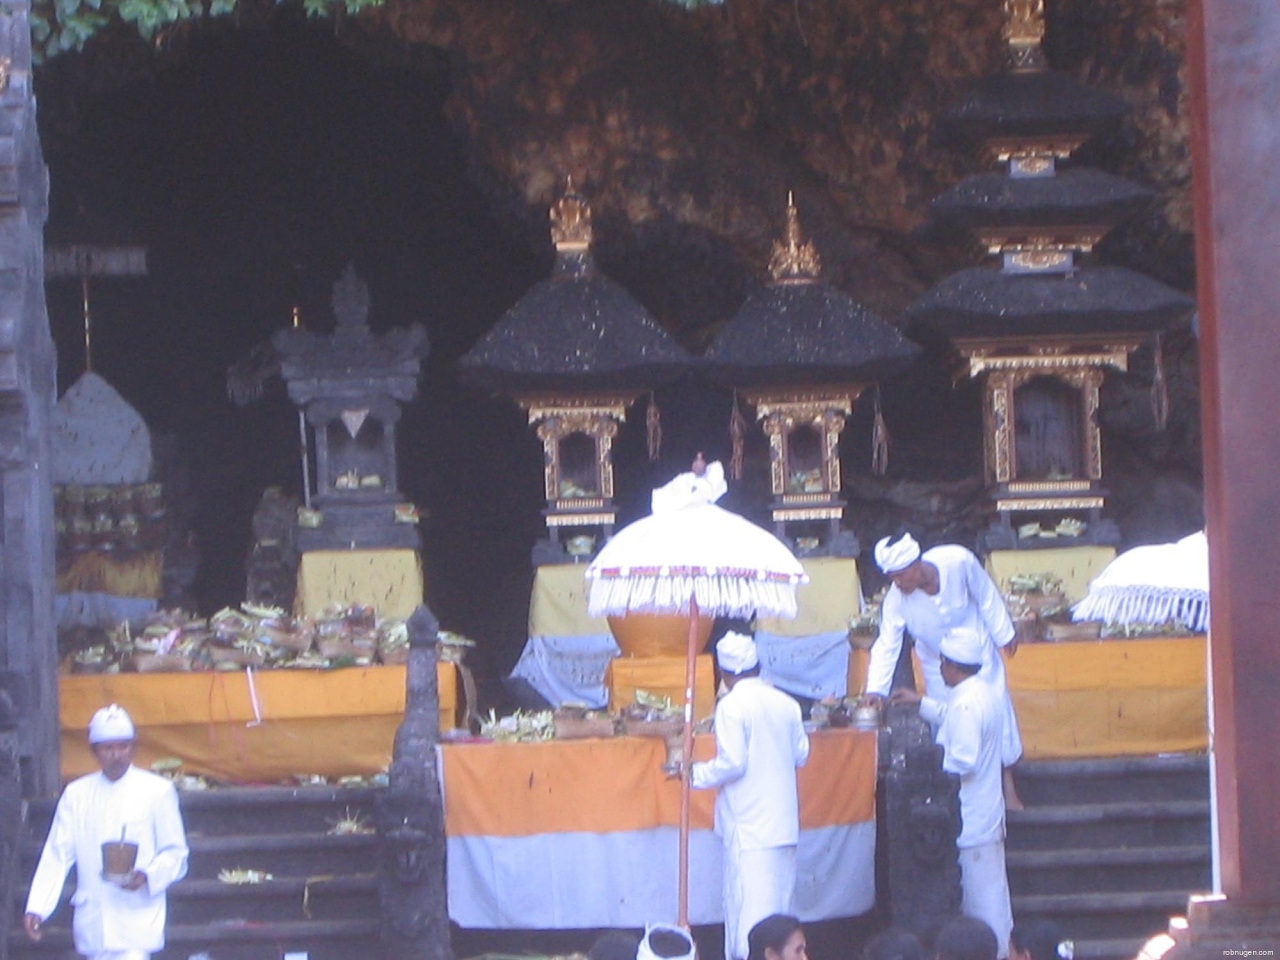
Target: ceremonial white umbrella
[[1153, 584], [692, 558]]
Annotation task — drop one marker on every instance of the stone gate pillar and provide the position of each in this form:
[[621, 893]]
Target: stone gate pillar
[[28, 645], [1235, 85]]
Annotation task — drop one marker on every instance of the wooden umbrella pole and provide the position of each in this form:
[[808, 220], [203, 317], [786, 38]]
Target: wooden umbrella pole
[[691, 659]]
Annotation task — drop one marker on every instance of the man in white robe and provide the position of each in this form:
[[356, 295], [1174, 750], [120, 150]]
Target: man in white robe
[[931, 593], [969, 732], [117, 918], [760, 742]]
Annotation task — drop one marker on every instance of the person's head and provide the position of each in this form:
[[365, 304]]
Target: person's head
[[777, 937], [111, 738], [614, 945], [894, 944], [1039, 940], [899, 560], [663, 941], [961, 649], [966, 938], [736, 654]]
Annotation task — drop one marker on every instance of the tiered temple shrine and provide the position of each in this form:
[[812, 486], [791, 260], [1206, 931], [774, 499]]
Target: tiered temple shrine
[[802, 352], [575, 352], [1043, 328]]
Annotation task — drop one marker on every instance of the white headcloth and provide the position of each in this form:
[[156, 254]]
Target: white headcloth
[[893, 557], [736, 653], [646, 952], [962, 645], [110, 723]]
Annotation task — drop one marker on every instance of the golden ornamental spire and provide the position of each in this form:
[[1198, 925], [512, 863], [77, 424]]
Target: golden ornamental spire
[[571, 220], [1023, 31], [793, 261]]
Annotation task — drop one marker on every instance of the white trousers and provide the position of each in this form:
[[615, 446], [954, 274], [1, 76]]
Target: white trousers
[[121, 955], [984, 891], [757, 884]]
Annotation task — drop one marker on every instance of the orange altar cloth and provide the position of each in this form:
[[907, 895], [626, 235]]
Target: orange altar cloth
[[609, 785], [1110, 698], [1103, 698], [330, 722], [663, 677]]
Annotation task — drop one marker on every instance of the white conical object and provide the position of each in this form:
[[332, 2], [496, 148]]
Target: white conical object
[[97, 437]]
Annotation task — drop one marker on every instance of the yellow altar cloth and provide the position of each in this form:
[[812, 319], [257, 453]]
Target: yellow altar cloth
[[826, 603], [117, 574], [558, 603], [1074, 566], [1103, 698], [1109, 698], [331, 722], [390, 581]]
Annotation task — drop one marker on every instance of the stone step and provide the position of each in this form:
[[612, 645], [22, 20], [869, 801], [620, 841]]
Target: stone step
[[289, 854], [322, 899], [1126, 823], [249, 810], [325, 896], [1104, 916], [298, 899], [1117, 948], [1183, 868], [321, 939], [1057, 782]]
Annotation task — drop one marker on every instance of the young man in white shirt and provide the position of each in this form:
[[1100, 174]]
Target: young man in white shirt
[[115, 918]]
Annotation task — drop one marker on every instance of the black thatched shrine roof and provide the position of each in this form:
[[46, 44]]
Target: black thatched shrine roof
[[577, 330], [1076, 196], [797, 330], [982, 302], [1033, 103], [806, 333]]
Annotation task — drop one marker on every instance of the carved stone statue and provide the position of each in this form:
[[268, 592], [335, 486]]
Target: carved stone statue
[[410, 816], [11, 819], [921, 813]]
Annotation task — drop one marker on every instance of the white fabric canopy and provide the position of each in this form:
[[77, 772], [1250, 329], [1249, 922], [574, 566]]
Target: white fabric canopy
[[689, 548], [1153, 584]]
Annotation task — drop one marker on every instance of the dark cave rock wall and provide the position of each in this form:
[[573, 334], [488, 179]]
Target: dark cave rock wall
[[705, 119]]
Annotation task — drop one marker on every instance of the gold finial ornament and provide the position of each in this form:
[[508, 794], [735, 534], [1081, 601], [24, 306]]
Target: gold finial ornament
[[794, 261], [1024, 31], [571, 220]]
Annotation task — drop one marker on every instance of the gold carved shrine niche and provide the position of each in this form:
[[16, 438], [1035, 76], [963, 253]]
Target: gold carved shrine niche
[[803, 429], [577, 444], [1041, 438]]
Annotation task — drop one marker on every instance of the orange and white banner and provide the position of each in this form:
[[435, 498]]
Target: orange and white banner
[[583, 834]]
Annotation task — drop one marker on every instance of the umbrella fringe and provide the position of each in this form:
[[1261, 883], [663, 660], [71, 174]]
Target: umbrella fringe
[[1154, 605], [722, 596]]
